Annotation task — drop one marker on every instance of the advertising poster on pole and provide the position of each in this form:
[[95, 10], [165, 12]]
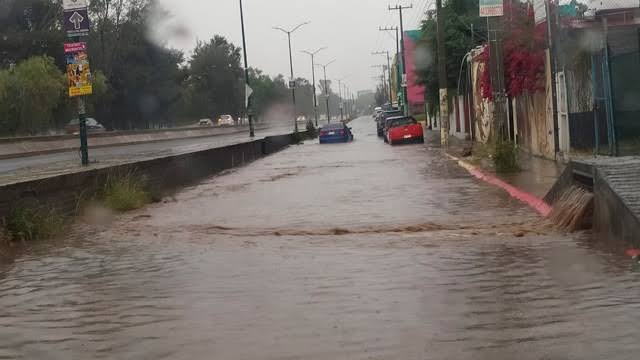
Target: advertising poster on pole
[[78, 70], [490, 8]]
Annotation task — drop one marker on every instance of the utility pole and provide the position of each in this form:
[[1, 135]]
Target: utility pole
[[551, 32], [395, 28], [388, 69], [384, 79], [313, 74], [292, 83], [405, 100], [442, 77], [326, 87], [246, 75], [496, 67]]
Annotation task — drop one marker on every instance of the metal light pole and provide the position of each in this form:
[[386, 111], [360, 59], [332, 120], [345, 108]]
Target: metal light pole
[[313, 74], [292, 81], [340, 94], [246, 75], [326, 88]]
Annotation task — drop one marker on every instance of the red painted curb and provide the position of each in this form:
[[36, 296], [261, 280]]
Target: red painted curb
[[533, 201]]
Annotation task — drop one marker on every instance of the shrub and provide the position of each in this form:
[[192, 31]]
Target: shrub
[[505, 157], [312, 132], [27, 224], [124, 192]]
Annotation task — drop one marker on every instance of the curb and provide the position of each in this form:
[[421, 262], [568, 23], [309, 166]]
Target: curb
[[531, 200]]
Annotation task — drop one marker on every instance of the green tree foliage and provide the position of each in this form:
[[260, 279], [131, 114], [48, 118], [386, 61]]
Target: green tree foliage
[[30, 28], [30, 93], [458, 17], [267, 91], [215, 86], [137, 83]]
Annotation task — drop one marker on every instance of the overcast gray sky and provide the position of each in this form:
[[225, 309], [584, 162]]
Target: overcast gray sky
[[349, 28]]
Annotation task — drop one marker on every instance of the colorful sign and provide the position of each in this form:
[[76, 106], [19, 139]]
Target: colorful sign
[[76, 22], [491, 8], [78, 70], [74, 4]]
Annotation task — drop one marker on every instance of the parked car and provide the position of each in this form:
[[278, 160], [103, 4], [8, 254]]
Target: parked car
[[226, 120], [380, 121], [93, 126], [336, 132], [404, 129], [205, 122]]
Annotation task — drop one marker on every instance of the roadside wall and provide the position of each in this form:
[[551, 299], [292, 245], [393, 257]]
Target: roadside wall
[[65, 192]]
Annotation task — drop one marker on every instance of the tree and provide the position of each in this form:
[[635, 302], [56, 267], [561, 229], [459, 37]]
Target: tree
[[215, 84], [30, 28], [30, 93], [459, 15]]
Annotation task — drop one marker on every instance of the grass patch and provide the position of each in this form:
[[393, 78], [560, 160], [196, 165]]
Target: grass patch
[[124, 192], [28, 224]]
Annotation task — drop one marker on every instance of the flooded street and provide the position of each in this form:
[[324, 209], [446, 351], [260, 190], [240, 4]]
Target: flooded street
[[348, 251]]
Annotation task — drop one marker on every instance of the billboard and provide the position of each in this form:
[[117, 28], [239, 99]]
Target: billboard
[[491, 8]]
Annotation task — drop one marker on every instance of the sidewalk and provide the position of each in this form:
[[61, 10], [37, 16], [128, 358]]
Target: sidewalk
[[531, 184]]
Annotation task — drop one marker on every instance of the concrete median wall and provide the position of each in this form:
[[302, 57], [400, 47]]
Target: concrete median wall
[[28, 146], [65, 192]]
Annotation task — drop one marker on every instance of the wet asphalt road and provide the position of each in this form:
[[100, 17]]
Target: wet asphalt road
[[351, 251], [26, 167]]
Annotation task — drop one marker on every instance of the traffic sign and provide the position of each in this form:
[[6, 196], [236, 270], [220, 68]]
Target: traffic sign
[[76, 22], [74, 4], [292, 84]]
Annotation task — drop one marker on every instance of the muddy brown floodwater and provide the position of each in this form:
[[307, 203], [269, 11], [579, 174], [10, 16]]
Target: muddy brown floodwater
[[354, 251]]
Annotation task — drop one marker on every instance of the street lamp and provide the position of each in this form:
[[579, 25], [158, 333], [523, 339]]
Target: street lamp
[[326, 87], [246, 75], [292, 82], [313, 74], [340, 91]]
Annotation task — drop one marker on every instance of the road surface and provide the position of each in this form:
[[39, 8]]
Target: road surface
[[352, 251], [26, 167]]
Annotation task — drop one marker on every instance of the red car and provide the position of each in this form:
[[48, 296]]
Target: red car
[[404, 129]]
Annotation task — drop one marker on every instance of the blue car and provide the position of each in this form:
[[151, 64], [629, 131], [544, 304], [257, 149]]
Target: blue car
[[335, 133]]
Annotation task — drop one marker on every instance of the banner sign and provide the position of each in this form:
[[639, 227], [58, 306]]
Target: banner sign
[[78, 70], [491, 8], [76, 22]]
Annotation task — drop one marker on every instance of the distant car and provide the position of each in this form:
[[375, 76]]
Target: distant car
[[301, 119], [376, 112], [226, 120], [382, 117], [93, 126], [205, 122], [334, 133], [404, 129]]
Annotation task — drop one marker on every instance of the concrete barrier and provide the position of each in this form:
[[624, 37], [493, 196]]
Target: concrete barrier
[[613, 181], [29, 146], [65, 192]]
